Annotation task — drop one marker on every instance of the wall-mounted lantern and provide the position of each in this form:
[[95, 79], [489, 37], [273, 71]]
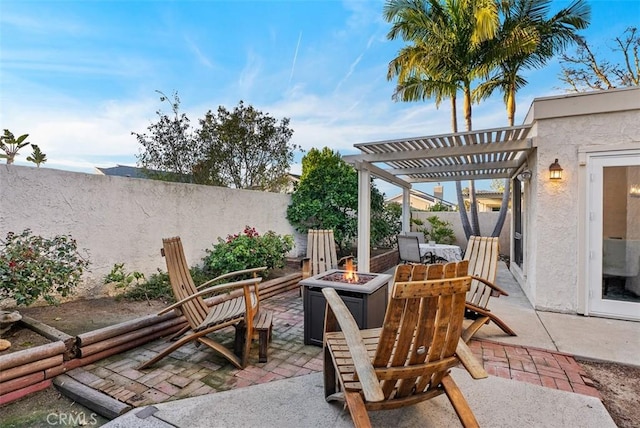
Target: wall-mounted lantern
[[555, 171], [634, 191]]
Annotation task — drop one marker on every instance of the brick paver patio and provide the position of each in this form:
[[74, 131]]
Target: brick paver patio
[[192, 370]]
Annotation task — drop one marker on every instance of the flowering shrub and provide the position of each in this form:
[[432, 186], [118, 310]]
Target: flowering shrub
[[247, 249], [32, 267]]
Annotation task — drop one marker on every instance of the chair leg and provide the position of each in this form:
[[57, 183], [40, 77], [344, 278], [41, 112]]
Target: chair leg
[[357, 410], [473, 328], [483, 319], [329, 372], [503, 326], [167, 351], [179, 333], [459, 403], [240, 337]]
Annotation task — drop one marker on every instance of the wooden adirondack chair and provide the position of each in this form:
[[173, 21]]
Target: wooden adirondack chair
[[407, 360], [202, 320], [482, 255], [321, 253]]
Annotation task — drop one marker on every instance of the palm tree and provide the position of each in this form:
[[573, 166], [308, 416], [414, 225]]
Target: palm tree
[[445, 55], [525, 23], [527, 20], [37, 157], [457, 42]]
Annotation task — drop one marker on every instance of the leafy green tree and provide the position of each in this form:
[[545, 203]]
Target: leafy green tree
[[37, 156], [584, 71], [327, 198], [170, 149], [385, 224], [246, 148], [10, 145], [243, 148]]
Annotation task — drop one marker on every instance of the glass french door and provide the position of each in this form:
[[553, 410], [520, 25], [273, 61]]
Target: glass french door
[[614, 234]]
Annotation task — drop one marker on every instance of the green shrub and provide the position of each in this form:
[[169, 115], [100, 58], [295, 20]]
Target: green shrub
[[121, 278], [156, 287], [32, 267], [247, 249], [440, 231]]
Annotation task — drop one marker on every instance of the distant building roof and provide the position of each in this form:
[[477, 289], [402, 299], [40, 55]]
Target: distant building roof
[[425, 196], [124, 171]]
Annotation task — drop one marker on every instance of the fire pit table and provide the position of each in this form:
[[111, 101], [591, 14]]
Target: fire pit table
[[365, 294]]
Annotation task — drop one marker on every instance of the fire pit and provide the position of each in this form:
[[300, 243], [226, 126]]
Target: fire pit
[[365, 294]]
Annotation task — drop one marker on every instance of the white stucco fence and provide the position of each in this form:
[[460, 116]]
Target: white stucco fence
[[123, 220]]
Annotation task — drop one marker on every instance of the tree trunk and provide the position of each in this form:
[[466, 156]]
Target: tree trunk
[[454, 113], [474, 228], [464, 219], [503, 209], [475, 222], [467, 107], [511, 106]]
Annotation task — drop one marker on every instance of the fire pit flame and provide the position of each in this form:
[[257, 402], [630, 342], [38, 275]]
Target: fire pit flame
[[350, 276]]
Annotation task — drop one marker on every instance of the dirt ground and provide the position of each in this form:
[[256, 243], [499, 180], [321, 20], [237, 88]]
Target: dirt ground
[[618, 384]]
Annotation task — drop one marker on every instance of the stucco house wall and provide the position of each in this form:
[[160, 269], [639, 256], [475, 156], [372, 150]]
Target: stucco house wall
[[553, 277], [123, 220]]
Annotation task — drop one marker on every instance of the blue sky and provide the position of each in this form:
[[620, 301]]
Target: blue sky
[[81, 76]]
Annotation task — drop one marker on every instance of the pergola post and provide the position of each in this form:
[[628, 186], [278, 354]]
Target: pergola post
[[406, 210], [364, 219]]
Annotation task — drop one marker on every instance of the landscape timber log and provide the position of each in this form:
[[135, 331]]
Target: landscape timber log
[[19, 393], [35, 366], [94, 348], [126, 346], [30, 355], [21, 382], [52, 334], [90, 337], [94, 400], [62, 368], [280, 285]]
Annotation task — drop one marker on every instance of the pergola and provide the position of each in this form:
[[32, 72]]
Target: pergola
[[473, 155]]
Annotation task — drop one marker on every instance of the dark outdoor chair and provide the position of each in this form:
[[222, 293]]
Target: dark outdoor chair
[[409, 250]]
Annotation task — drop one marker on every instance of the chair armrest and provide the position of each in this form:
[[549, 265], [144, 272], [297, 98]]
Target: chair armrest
[[366, 374], [305, 266], [231, 274], [344, 259], [497, 291], [219, 287]]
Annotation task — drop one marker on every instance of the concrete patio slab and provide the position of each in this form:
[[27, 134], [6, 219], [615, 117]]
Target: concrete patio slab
[[299, 402], [594, 338]]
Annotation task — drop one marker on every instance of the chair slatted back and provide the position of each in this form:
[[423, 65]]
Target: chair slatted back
[[482, 254], [422, 325], [195, 310], [409, 249], [321, 250]]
